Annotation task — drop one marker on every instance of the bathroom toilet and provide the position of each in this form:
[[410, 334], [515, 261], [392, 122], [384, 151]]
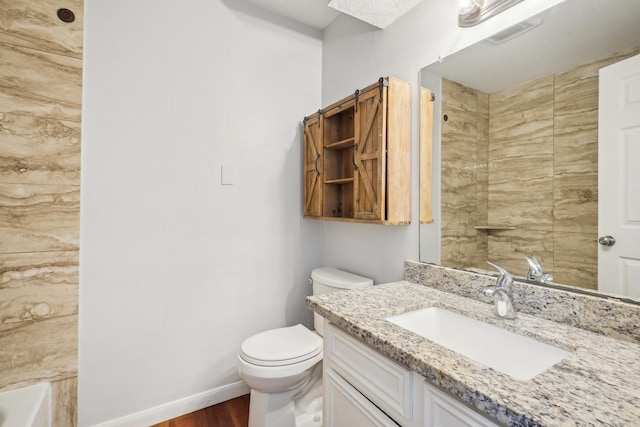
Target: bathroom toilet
[[283, 366]]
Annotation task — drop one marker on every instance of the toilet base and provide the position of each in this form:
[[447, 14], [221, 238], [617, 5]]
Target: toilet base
[[300, 406], [308, 406], [308, 420], [269, 410]]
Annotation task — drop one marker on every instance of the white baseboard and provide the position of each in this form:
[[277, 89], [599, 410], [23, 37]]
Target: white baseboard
[[179, 407]]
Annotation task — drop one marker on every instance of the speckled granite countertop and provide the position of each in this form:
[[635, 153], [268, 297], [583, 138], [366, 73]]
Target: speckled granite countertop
[[597, 385]]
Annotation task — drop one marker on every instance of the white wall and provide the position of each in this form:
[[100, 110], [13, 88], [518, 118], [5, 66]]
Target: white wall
[[354, 55], [176, 269]]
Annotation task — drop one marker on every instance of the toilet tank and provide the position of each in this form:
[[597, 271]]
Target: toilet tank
[[327, 279]]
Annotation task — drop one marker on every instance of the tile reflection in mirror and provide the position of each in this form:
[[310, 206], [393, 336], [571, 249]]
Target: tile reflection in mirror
[[527, 159]]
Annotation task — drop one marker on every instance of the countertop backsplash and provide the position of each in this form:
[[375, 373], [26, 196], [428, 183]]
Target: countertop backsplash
[[606, 316]]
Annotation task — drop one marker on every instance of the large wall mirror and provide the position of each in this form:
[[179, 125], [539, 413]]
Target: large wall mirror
[[515, 145]]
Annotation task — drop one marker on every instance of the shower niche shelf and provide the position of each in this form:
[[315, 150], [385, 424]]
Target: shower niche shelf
[[494, 227]]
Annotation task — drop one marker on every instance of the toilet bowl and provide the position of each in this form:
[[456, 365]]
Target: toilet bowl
[[278, 365], [283, 366]]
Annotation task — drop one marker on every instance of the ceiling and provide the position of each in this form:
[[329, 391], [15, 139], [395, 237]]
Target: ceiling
[[314, 13], [320, 13], [574, 32]]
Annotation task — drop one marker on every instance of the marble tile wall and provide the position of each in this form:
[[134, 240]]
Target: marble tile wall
[[482, 178], [541, 176], [521, 174], [40, 117], [575, 195], [464, 174]]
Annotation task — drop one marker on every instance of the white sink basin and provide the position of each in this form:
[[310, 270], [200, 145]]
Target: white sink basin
[[518, 356]]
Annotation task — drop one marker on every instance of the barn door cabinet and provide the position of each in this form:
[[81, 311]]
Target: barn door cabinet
[[357, 157]]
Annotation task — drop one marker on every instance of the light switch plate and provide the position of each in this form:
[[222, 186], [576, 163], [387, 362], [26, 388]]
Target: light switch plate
[[227, 174]]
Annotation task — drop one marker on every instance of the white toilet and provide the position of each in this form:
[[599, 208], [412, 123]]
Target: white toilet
[[283, 367]]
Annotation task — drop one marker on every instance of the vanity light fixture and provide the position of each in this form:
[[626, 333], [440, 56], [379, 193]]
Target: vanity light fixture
[[473, 12], [379, 13], [467, 7]]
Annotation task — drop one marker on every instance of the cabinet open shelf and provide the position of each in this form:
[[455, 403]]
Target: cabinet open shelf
[[341, 145], [339, 126], [494, 227], [339, 181], [338, 173], [338, 198]]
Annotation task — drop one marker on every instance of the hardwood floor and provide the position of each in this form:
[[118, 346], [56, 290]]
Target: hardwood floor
[[232, 413]]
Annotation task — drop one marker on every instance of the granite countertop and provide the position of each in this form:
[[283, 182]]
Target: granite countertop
[[597, 385]]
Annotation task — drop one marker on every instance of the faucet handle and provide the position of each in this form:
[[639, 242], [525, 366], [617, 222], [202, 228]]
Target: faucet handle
[[504, 279], [535, 269]]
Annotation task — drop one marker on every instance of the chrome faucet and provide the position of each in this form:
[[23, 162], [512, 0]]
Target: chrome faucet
[[535, 272], [501, 293]]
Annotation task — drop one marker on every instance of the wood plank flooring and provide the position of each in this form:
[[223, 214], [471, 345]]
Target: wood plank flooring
[[232, 413]]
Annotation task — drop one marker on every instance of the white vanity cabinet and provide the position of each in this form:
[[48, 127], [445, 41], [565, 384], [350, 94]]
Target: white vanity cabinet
[[364, 388], [346, 406], [442, 410], [384, 383]]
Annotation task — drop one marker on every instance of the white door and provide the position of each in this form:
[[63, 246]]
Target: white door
[[619, 178]]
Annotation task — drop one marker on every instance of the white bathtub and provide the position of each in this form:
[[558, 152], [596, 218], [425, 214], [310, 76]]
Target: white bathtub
[[26, 407]]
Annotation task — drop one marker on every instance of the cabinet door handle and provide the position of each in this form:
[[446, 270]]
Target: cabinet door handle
[[353, 157], [316, 164]]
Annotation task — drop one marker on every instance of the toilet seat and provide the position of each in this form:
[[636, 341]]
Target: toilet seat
[[281, 347]]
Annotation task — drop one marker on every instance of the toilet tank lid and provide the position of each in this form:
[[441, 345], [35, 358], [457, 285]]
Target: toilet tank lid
[[339, 278]]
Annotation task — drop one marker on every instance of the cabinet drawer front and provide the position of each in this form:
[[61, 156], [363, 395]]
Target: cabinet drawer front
[[382, 381], [346, 407], [442, 410]]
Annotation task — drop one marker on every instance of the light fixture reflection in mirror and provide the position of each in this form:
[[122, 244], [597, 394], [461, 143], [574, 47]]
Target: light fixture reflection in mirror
[[473, 12]]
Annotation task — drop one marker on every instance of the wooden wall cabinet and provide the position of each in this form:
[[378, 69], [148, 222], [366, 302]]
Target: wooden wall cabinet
[[357, 157]]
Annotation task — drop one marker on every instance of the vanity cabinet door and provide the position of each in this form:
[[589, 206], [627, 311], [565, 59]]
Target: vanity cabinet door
[[344, 406], [382, 381], [442, 410]]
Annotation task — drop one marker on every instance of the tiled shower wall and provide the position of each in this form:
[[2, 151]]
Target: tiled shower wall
[[40, 116], [542, 169], [465, 139]]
